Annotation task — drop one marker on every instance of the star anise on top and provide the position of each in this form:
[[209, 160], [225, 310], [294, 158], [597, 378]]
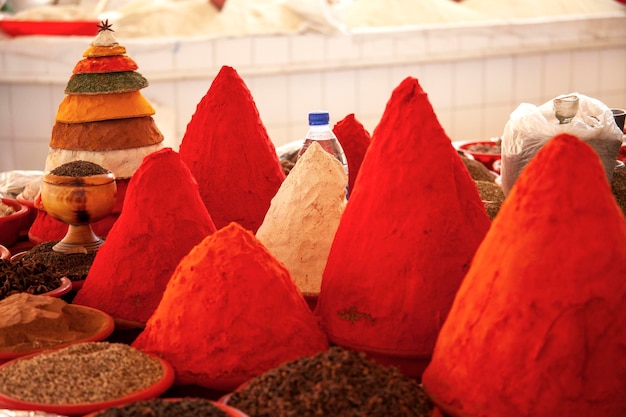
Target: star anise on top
[[105, 25]]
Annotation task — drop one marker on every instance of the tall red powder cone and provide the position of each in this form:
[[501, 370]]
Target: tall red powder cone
[[538, 327], [354, 139], [162, 219], [230, 312], [229, 152], [406, 238]]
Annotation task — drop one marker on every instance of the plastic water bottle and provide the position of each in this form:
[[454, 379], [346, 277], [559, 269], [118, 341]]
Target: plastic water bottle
[[320, 132]]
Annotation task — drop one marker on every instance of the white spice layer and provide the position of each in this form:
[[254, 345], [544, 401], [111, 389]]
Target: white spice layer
[[303, 217]]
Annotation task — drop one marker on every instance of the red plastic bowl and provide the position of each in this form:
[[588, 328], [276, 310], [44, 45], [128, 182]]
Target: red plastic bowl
[[11, 225], [98, 334], [49, 27], [622, 153], [147, 393], [488, 159]]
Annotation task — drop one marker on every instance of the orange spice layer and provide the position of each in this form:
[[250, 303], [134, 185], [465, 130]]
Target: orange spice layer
[[94, 51], [92, 108], [100, 64], [106, 135]]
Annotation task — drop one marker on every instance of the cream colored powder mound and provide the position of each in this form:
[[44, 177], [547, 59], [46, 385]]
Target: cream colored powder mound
[[147, 18], [303, 217], [376, 13], [512, 9]]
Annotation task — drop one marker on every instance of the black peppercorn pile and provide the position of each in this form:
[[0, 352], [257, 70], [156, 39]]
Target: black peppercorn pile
[[338, 383], [32, 278], [159, 407], [79, 169]]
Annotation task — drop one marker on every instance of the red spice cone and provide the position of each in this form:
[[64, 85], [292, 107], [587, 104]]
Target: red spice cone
[[406, 238], [229, 152], [230, 312], [538, 327], [162, 219], [354, 140]]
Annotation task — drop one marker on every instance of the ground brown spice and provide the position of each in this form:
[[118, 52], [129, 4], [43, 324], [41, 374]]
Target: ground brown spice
[[477, 170]]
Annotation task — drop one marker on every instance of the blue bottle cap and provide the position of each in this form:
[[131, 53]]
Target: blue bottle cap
[[318, 118]]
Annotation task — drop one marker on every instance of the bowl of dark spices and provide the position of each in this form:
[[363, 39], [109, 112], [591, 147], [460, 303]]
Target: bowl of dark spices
[[83, 378], [12, 215], [488, 152], [171, 407], [338, 382], [79, 193], [31, 278]]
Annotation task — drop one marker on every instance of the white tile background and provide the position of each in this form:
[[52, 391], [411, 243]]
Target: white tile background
[[474, 76]]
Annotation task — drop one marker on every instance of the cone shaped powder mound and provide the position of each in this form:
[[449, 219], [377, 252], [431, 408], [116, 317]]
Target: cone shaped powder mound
[[303, 217], [162, 219], [230, 312], [229, 152], [406, 238], [354, 140], [538, 327]]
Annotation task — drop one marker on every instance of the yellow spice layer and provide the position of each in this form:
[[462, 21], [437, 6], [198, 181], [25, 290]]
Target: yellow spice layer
[[93, 108], [94, 51]]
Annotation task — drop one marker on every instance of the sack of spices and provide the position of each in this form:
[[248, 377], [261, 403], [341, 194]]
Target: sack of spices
[[529, 127]]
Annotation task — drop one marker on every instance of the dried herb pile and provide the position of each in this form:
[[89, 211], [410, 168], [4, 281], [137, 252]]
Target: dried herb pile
[[159, 407], [338, 382], [74, 266]]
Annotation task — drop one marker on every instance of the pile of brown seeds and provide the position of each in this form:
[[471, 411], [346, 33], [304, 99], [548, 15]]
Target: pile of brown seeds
[[477, 170], [74, 266], [618, 186], [288, 161], [79, 169], [81, 373], [338, 382], [159, 407], [29, 277]]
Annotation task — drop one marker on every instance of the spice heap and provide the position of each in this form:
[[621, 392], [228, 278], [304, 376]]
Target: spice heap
[[303, 217], [69, 375], [406, 238], [163, 218], [229, 152], [538, 327], [30, 322], [337, 382], [26, 276], [253, 316], [354, 140], [73, 266], [103, 119], [163, 407]]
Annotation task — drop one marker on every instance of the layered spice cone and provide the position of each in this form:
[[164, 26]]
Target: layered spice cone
[[103, 119], [230, 312], [406, 238], [354, 140], [229, 152], [538, 327], [162, 219]]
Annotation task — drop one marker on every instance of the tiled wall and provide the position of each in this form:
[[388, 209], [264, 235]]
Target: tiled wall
[[474, 76]]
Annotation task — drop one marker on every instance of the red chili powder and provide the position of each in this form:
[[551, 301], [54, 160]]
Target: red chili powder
[[406, 238], [231, 311], [163, 218], [229, 152], [354, 140], [538, 327], [45, 228]]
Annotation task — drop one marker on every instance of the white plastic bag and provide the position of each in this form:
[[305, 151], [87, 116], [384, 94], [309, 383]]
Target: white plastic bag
[[529, 127]]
